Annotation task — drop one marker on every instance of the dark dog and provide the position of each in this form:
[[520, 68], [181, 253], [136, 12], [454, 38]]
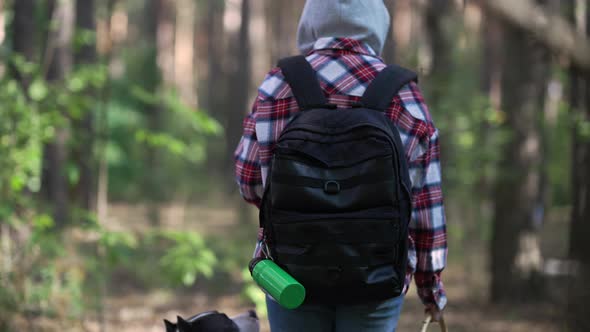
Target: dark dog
[[213, 321]]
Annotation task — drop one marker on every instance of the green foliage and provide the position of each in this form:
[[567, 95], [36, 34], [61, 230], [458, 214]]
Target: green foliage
[[470, 136], [45, 277], [118, 247], [23, 130], [583, 128], [83, 37], [31, 280], [470, 131], [186, 258], [59, 272], [252, 292], [179, 142], [559, 142], [155, 146]]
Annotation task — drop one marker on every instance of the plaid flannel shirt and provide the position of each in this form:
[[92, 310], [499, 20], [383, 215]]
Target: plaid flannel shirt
[[345, 67]]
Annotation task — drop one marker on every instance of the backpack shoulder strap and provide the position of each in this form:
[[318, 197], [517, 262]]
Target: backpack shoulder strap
[[385, 86], [304, 83]]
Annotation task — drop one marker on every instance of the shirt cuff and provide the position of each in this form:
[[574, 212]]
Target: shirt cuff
[[433, 294]]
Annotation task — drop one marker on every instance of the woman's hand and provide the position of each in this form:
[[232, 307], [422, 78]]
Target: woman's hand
[[435, 313]]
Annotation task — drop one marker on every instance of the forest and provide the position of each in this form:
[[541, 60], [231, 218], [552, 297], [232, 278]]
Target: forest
[[119, 119]]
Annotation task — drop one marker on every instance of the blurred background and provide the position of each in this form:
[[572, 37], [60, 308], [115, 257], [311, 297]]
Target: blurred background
[[118, 119]]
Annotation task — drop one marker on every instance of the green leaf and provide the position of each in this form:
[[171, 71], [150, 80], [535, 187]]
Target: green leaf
[[76, 83], [189, 278], [584, 130], [38, 90], [43, 222], [84, 37], [466, 140], [144, 96], [73, 173], [17, 182]]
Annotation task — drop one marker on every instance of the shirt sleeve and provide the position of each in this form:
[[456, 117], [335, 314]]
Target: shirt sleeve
[[247, 171], [427, 227]]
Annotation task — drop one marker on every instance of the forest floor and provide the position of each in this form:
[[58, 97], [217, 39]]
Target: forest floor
[[137, 310]]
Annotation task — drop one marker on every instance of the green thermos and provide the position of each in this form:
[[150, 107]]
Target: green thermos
[[277, 283]]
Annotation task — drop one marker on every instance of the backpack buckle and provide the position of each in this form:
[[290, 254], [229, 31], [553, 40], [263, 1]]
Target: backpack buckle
[[332, 187]]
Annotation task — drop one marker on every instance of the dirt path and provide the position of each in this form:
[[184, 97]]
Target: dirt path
[[467, 309], [144, 312]]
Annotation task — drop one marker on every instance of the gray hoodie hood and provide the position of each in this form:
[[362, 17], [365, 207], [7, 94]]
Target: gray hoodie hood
[[363, 20]]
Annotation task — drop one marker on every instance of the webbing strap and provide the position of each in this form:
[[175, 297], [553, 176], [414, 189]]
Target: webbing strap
[[385, 86], [304, 83], [304, 181], [343, 261]]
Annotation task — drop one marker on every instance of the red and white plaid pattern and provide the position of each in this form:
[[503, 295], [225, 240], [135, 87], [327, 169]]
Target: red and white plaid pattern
[[345, 67]]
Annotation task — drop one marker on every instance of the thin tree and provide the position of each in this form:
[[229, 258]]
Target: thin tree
[[184, 40], [214, 27], [84, 55], [389, 47], [155, 28], [515, 253], [242, 82], [55, 183], [23, 36], [217, 78], [282, 16], [579, 250], [436, 13]]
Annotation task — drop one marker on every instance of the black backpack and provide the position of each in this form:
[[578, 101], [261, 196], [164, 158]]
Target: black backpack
[[337, 204]]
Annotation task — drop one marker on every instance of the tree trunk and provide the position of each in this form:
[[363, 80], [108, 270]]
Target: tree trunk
[[241, 83], [84, 128], [402, 22], [55, 157], [579, 251], [158, 36], [217, 78], [102, 126], [184, 69], [491, 65], [490, 83], [389, 47], [165, 22], [214, 28], [436, 14], [23, 35], [282, 27], [515, 254]]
